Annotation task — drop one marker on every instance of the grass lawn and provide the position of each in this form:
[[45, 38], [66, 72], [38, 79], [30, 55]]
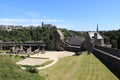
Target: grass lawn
[[10, 71], [3, 50], [83, 67]]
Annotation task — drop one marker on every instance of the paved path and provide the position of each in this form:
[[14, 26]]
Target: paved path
[[54, 54], [51, 55], [54, 61], [32, 61]]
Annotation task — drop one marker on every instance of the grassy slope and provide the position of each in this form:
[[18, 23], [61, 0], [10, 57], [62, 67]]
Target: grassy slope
[[83, 67], [10, 71]]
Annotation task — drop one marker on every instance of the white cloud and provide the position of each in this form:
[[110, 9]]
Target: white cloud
[[26, 21], [70, 27]]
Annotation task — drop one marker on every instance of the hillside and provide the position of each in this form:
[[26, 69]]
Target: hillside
[[112, 37], [37, 34], [10, 71], [83, 67]]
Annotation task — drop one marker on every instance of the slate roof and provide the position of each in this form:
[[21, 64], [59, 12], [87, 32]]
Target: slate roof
[[76, 41]]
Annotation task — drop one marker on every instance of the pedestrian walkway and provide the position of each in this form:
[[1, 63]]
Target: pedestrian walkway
[[39, 58]]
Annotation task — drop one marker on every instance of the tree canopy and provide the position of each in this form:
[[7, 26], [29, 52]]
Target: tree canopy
[[24, 35], [112, 37], [35, 34]]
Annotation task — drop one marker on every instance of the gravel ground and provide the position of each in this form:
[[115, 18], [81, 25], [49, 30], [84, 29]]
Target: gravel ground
[[52, 55], [32, 61]]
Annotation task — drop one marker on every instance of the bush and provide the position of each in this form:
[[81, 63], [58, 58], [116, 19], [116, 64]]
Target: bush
[[16, 56], [10, 55], [78, 53], [31, 69], [23, 57]]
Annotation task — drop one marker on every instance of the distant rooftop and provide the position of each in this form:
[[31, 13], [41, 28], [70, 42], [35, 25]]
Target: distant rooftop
[[91, 34], [76, 41]]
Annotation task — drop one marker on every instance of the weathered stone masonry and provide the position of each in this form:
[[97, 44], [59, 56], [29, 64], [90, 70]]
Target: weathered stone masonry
[[110, 57]]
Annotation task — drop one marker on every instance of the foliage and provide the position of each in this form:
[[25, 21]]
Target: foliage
[[24, 35], [77, 33], [23, 57], [35, 34], [14, 58], [65, 33], [78, 53], [32, 69], [112, 37], [69, 33], [10, 71]]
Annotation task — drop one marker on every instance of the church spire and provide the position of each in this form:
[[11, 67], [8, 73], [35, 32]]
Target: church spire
[[42, 24], [97, 28]]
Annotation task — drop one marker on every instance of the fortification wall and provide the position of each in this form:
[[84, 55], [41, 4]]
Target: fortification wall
[[114, 52], [110, 57]]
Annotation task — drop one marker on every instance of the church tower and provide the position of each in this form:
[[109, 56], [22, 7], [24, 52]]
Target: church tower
[[97, 28], [42, 24]]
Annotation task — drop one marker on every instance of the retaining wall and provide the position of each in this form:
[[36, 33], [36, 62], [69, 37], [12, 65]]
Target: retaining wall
[[110, 58], [115, 52]]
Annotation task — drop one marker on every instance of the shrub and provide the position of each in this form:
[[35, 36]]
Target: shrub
[[16, 56], [78, 53], [22, 57], [10, 55], [31, 69]]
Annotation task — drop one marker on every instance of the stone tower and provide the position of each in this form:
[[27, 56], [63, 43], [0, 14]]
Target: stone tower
[[97, 28]]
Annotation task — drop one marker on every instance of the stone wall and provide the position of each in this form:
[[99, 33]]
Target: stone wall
[[114, 52], [57, 41], [109, 59]]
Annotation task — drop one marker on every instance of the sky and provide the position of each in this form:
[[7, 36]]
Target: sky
[[79, 15]]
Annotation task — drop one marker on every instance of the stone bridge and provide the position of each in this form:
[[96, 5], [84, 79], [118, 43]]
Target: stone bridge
[[110, 57], [20, 47]]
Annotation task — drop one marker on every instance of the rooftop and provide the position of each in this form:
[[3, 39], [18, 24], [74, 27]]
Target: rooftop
[[91, 34]]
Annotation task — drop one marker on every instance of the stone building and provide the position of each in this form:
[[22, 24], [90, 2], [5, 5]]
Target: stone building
[[9, 27], [57, 42], [92, 39]]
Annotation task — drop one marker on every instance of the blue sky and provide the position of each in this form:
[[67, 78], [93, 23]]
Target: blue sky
[[80, 15]]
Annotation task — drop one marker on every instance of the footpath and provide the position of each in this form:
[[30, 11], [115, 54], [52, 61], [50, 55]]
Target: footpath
[[39, 58]]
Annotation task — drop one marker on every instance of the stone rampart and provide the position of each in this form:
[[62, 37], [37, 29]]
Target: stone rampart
[[115, 52], [110, 57]]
